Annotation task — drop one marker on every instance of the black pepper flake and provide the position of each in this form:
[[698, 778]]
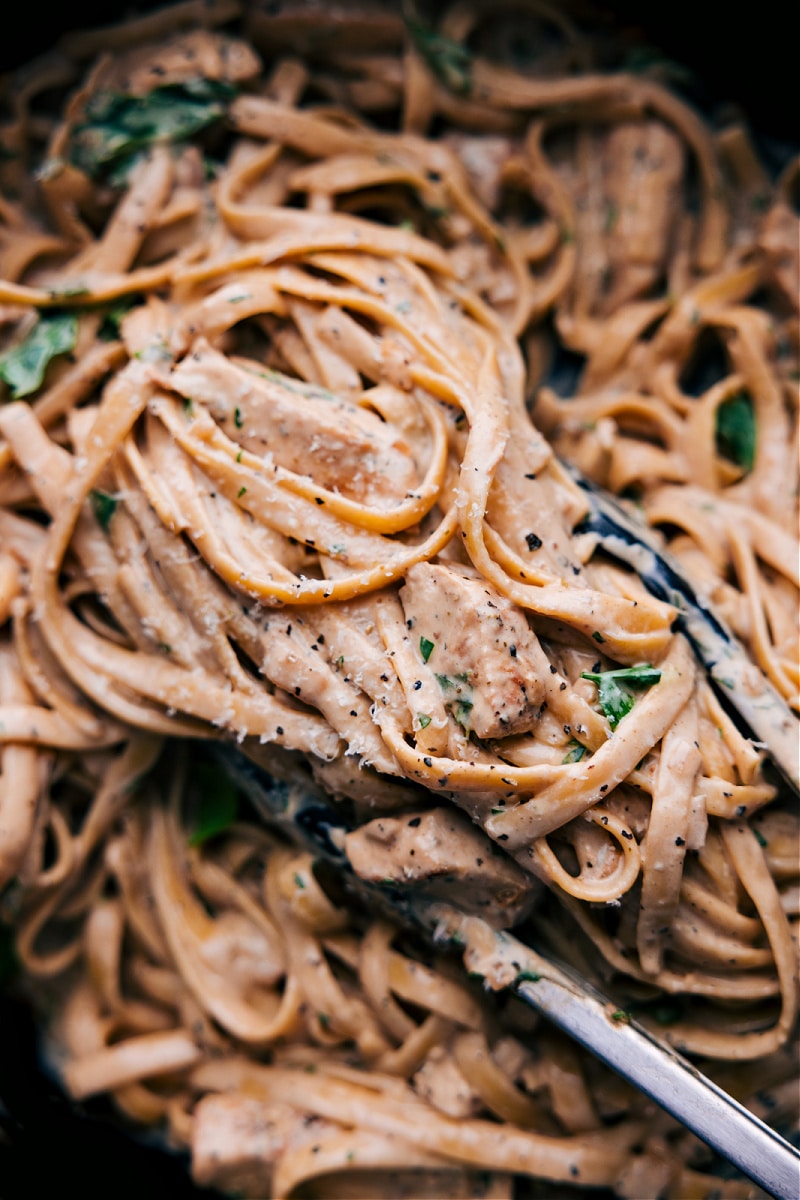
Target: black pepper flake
[[321, 640], [297, 691], [428, 762], [603, 787], [414, 822], [627, 834], [533, 540], [353, 712], [533, 476], [478, 862], [318, 500], [562, 687], [288, 631], [502, 837], [417, 684], [512, 650], [679, 841], [279, 730]]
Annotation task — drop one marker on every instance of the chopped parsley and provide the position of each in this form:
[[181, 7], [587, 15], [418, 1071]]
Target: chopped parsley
[[575, 752], [426, 648], [424, 720], [460, 703], [613, 689]]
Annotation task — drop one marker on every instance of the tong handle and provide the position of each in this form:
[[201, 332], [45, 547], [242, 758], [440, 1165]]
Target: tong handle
[[673, 1082]]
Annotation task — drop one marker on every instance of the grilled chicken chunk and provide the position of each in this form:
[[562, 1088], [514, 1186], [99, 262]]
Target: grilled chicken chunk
[[486, 658], [443, 855], [305, 429]]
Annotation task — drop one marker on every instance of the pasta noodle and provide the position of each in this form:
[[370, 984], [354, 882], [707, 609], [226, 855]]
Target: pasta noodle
[[297, 342]]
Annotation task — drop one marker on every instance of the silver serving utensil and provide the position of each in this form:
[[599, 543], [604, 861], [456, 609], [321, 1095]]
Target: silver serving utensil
[[303, 811], [306, 814]]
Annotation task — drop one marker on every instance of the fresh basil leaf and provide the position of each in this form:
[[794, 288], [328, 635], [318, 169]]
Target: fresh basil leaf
[[23, 366], [214, 802], [118, 125], [613, 689], [736, 430], [449, 60]]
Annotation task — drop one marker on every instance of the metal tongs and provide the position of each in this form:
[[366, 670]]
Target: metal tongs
[[305, 813]]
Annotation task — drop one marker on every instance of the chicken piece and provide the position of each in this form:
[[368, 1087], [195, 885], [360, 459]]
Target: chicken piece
[[644, 167], [305, 428], [236, 1140], [440, 1082], [444, 856], [485, 656]]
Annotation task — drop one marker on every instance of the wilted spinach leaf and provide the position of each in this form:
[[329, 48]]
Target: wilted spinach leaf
[[23, 366], [736, 430], [214, 801], [450, 61], [118, 126]]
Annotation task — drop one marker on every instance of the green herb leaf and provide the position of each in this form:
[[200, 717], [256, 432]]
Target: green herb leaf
[[426, 648], [613, 687], [449, 60], [424, 720], [575, 752], [214, 802], [736, 431], [103, 506], [528, 977], [460, 704], [118, 126], [23, 366], [110, 327]]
